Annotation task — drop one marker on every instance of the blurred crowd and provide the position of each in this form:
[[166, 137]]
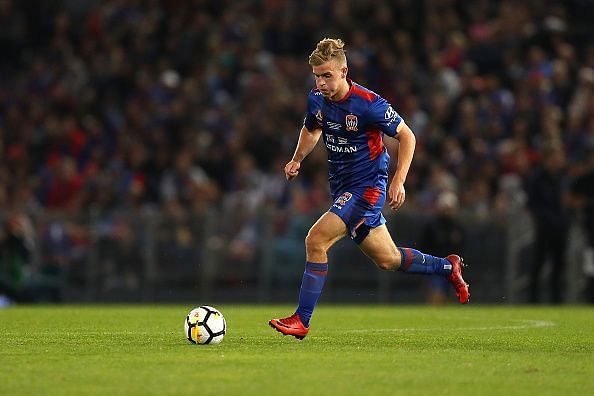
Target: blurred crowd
[[186, 105], [127, 103]]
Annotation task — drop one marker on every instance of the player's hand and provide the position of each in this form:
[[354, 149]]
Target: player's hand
[[396, 195], [292, 169]]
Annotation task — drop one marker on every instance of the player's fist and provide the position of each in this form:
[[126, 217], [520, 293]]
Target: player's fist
[[292, 169], [396, 195]]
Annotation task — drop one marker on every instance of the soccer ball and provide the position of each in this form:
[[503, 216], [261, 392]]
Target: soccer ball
[[205, 325]]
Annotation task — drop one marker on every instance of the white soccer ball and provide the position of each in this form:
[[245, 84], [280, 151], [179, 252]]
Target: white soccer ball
[[205, 325]]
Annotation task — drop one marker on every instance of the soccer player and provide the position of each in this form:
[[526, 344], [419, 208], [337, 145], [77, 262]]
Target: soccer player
[[352, 121]]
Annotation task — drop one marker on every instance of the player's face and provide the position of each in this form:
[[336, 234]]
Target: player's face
[[330, 79]]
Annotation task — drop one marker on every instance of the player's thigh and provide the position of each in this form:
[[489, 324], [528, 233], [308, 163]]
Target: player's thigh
[[327, 230], [380, 247]]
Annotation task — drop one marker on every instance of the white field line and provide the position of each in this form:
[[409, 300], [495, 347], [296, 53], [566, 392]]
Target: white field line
[[527, 324]]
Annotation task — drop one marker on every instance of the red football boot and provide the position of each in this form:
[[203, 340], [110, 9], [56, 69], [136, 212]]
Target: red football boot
[[290, 326], [455, 278]]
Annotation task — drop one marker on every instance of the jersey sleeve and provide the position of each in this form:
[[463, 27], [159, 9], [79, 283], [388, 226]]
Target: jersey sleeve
[[383, 115], [313, 109]]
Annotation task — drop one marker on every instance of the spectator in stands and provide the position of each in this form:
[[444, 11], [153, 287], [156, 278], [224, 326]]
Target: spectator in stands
[[583, 197], [16, 244], [545, 187]]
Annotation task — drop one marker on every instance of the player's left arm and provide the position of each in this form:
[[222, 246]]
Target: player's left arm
[[406, 149], [382, 115]]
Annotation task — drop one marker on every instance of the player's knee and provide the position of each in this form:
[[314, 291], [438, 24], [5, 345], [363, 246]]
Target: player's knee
[[314, 243]]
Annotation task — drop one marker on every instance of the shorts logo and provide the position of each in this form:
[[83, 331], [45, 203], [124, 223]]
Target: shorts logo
[[351, 122], [342, 200]]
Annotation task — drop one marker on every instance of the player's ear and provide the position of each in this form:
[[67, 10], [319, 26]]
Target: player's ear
[[344, 71]]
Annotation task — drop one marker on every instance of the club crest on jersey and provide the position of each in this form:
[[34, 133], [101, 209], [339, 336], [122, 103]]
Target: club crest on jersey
[[319, 115], [351, 122]]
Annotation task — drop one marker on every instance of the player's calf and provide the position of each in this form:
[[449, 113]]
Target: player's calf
[[391, 264]]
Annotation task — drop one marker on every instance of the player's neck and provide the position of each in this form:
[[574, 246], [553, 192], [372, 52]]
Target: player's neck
[[342, 92]]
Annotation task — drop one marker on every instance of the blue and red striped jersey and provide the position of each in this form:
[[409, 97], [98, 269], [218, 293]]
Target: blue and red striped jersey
[[353, 130]]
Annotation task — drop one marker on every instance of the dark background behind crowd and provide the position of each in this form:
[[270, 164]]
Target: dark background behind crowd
[[182, 106]]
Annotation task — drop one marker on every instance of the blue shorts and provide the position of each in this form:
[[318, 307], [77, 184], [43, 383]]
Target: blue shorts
[[360, 209]]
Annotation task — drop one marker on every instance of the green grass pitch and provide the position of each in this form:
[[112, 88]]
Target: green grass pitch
[[351, 350]]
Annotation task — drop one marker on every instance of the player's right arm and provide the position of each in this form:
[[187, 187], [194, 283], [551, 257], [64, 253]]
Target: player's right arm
[[307, 141]]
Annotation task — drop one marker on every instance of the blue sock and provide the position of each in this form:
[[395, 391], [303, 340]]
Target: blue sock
[[416, 262], [311, 288]]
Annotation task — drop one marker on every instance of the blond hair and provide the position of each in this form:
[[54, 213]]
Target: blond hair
[[326, 50]]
